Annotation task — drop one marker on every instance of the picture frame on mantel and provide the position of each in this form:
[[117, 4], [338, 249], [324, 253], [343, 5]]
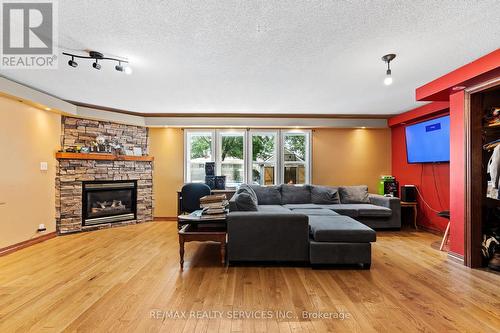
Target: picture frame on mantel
[[137, 151]]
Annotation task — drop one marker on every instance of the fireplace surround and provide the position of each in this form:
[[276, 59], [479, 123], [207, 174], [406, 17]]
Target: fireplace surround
[[77, 174]]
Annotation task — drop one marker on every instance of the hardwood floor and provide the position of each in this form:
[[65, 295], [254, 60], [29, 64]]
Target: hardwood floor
[[115, 280]]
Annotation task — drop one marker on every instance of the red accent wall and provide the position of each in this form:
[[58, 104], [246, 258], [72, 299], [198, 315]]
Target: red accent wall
[[432, 179], [441, 89]]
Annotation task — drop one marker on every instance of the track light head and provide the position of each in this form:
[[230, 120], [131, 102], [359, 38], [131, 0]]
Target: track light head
[[96, 65], [72, 63], [119, 68]]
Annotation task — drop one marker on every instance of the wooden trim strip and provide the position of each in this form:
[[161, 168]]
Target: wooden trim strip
[[456, 257], [21, 245], [165, 219], [234, 115], [431, 230]]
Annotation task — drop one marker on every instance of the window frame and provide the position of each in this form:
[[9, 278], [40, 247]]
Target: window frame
[[218, 151], [187, 150], [216, 134], [277, 149], [308, 160]]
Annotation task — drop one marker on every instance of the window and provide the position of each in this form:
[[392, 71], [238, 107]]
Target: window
[[230, 157], [263, 157], [295, 157], [199, 150]]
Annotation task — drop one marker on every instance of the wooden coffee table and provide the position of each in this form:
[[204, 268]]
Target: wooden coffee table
[[197, 229]]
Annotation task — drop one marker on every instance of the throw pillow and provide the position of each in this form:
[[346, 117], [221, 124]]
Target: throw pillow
[[244, 188], [244, 202], [268, 195], [354, 194], [324, 195], [295, 194]]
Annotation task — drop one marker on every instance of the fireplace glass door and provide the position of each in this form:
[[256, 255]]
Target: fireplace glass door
[[109, 201]]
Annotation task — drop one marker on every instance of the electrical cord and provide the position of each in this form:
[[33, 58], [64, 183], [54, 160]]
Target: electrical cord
[[435, 187], [425, 202]]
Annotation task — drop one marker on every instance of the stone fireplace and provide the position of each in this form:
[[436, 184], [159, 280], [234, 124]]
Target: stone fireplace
[[95, 191]]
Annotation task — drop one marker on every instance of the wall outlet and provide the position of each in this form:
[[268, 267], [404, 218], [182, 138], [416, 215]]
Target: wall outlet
[[41, 227], [44, 166]]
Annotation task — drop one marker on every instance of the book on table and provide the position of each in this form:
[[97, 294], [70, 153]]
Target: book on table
[[213, 198], [216, 210], [214, 204]]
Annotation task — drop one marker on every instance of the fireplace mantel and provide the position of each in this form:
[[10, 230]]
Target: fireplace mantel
[[101, 157]]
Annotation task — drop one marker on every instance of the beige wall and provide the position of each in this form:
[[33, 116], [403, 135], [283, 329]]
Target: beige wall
[[340, 157], [28, 136], [167, 147], [351, 156]]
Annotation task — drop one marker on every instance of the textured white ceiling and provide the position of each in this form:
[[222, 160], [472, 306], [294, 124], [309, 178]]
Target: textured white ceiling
[[264, 56]]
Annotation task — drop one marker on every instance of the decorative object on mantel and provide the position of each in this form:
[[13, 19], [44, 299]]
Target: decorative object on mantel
[[101, 157], [137, 151]]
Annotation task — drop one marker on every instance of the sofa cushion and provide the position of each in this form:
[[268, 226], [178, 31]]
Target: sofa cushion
[[245, 188], [293, 194], [358, 210], [268, 195], [343, 209], [354, 194], [315, 211], [273, 209], [245, 202], [324, 195], [339, 229], [302, 206], [368, 210]]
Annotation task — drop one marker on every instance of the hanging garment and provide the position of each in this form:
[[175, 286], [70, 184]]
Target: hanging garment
[[494, 166]]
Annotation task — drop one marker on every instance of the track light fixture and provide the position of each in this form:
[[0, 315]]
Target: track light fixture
[[388, 74], [97, 56]]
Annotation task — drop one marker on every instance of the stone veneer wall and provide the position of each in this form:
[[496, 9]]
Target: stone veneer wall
[[82, 132], [71, 173]]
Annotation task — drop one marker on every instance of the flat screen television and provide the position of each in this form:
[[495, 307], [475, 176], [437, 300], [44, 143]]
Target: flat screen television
[[429, 141]]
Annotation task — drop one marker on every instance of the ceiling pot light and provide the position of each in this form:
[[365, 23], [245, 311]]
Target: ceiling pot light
[[388, 74]]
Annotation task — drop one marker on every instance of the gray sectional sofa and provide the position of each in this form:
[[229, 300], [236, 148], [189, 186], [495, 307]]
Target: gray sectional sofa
[[315, 224]]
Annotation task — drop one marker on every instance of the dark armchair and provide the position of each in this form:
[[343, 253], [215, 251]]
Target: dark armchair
[[191, 193]]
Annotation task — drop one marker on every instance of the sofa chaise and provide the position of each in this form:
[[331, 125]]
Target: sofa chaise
[[315, 224]]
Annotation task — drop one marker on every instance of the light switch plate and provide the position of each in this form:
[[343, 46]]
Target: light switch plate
[[44, 166]]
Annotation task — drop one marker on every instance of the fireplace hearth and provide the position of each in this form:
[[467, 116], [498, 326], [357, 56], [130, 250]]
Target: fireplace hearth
[[109, 201]]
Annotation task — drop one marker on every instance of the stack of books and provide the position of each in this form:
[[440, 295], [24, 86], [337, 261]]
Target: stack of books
[[214, 206]]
